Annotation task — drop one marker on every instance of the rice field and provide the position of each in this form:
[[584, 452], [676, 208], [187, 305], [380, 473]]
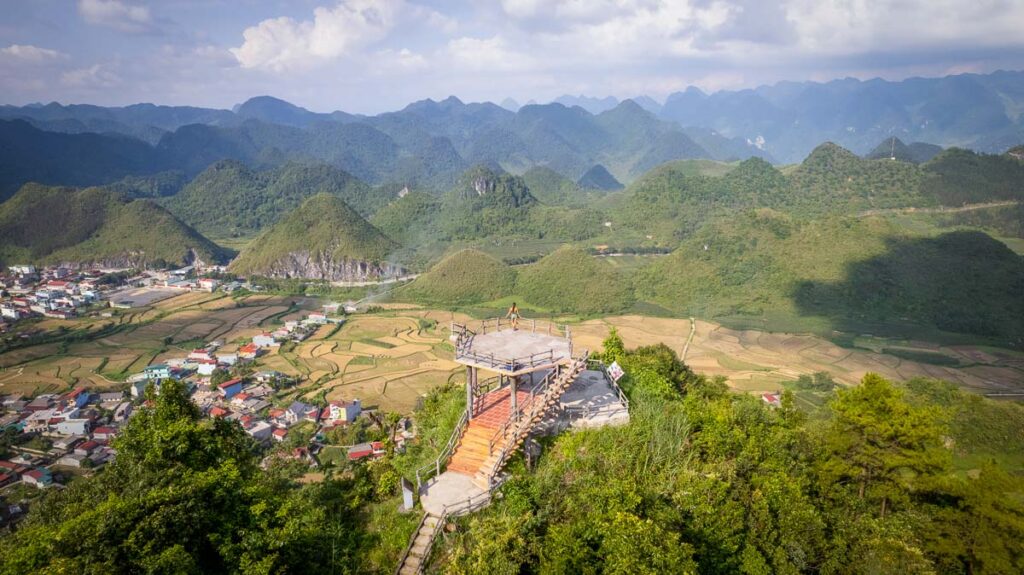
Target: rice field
[[390, 359], [760, 361]]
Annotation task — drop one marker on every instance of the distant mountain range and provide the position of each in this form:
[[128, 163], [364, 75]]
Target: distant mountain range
[[428, 143]]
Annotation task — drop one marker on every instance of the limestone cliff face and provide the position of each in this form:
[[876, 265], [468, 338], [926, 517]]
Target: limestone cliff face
[[136, 259], [323, 266]]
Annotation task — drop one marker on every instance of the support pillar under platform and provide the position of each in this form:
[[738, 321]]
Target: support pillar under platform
[[471, 385]]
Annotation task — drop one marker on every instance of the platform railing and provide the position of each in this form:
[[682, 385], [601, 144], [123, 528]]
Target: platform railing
[[524, 423], [497, 362], [514, 417], [532, 325], [427, 471], [598, 365]]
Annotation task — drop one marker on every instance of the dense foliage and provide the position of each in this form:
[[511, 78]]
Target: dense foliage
[[464, 277], [703, 481], [186, 496], [53, 225], [959, 176], [598, 178], [229, 199], [847, 269], [673, 201], [409, 220], [569, 279], [894, 148], [323, 229]]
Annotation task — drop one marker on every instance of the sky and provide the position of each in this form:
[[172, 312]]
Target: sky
[[369, 56]]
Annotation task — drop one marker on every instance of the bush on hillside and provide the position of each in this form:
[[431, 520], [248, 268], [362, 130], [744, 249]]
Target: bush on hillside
[[571, 280], [465, 277]]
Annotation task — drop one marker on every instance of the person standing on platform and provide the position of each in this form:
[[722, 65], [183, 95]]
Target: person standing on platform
[[513, 314]]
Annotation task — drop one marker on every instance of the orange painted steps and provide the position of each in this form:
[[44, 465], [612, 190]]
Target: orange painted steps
[[474, 448]]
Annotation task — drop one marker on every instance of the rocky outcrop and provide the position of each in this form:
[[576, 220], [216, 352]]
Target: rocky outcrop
[[322, 266], [136, 259]]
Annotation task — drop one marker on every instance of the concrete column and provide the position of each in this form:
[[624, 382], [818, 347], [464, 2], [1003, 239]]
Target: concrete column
[[514, 399], [469, 390]]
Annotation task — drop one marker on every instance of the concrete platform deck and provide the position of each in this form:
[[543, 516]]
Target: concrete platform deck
[[591, 401], [515, 352], [450, 489]]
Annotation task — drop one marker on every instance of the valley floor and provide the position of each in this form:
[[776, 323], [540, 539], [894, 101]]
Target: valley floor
[[392, 358]]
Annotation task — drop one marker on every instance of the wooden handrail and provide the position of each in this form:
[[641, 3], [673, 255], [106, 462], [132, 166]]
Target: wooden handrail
[[528, 421], [424, 473]]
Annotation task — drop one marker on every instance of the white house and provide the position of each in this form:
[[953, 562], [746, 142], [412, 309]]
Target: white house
[[265, 340], [260, 431], [72, 427], [346, 411]]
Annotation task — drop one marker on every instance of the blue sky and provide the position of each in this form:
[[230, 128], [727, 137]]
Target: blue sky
[[375, 55]]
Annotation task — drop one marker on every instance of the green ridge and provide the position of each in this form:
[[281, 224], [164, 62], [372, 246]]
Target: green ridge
[[58, 224], [325, 228], [569, 279], [465, 277]]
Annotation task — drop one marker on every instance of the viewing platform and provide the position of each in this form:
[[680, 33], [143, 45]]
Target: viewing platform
[[495, 346]]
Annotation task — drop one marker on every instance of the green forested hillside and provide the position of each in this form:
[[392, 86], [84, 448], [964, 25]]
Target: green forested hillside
[[552, 188], [851, 271], [230, 199], [672, 201], [409, 219], [915, 152], [709, 482], [53, 225], [958, 176], [598, 178], [464, 277], [835, 180], [571, 280], [320, 239], [484, 203]]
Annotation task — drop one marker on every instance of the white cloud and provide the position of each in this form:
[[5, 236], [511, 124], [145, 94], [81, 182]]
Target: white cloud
[[30, 54], [403, 60], [853, 26], [116, 14], [282, 43], [95, 76], [487, 54]]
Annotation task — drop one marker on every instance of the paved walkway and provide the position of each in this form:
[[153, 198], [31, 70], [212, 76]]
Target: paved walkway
[[592, 394], [448, 489]]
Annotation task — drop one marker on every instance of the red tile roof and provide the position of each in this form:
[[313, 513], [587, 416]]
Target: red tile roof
[[230, 383]]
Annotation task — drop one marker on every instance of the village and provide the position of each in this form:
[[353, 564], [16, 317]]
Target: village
[[52, 438]]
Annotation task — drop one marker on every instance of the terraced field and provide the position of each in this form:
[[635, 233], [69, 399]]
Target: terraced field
[[392, 358], [758, 361]]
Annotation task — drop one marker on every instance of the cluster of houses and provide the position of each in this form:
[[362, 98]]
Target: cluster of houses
[[78, 427], [53, 292], [61, 292]]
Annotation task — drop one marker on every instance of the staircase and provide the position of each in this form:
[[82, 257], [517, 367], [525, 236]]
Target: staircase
[[416, 554], [480, 451], [493, 435]]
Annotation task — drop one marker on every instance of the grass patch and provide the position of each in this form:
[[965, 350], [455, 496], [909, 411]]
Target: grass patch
[[922, 356]]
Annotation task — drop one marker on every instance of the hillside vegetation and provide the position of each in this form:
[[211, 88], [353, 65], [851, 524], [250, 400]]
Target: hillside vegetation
[[321, 239], [915, 152], [464, 277], [229, 199], [848, 270], [409, 219], [672, 201], [570, 280], [708, 482], [56, 225]]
